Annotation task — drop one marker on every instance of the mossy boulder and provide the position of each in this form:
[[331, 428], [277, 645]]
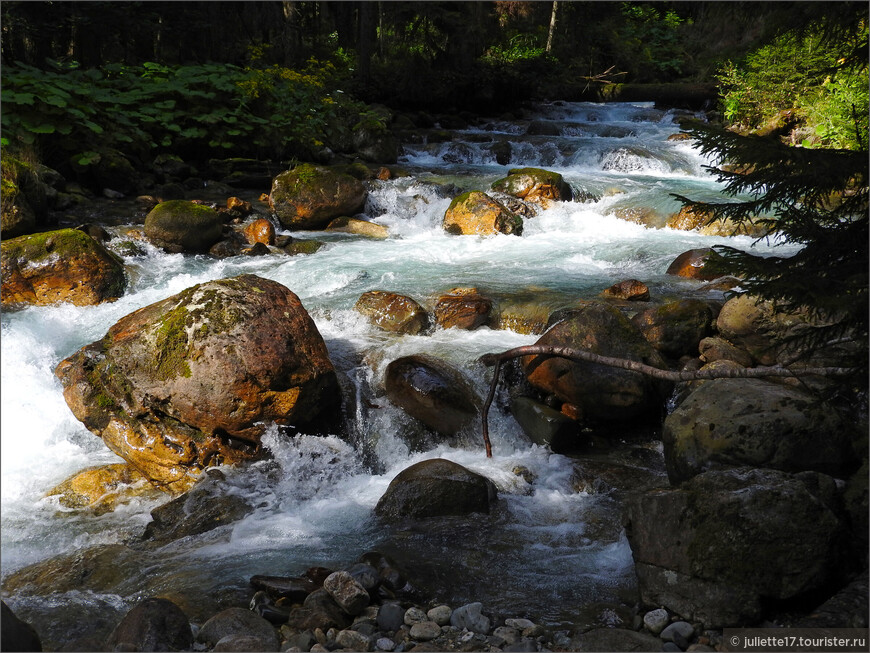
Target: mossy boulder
[[676, 328], [476, 213], [534, 185], [436, 488], [24, 196], [59, 266], [310, 196], [738, 422], [393, 312], [432, 391], [193, 380], [720, 546], [603, 393], [179, 226]]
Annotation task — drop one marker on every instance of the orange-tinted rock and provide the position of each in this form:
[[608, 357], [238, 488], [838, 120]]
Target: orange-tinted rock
[[101, 488], [393, 312], [476, 213], [462, 308], [631, 290], [59, 266], [238, 205], [695, 264], [260, 231], [358, 227], [689, 219], [192, 380], [534, 185]]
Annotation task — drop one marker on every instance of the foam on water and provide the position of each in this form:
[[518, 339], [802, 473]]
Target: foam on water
[[315, 498]]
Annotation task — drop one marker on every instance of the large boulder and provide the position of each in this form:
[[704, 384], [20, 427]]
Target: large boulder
[[310, 196], [476, 213], [393, 312], [59, 266], [433, 392], [602, 392], [101, 489], [736, 422], [179, 226], [534, 185], [154, 624], [715, 549], [193, 380], [435, 488], [697, 264], [676, 328], [17, 635]]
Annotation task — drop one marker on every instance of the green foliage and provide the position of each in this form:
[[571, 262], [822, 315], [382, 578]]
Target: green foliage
[[522, 47], [804, 73], [202, 110], [814, 197], [648, 42]]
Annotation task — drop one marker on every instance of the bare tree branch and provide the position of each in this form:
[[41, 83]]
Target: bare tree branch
[[635, 366]]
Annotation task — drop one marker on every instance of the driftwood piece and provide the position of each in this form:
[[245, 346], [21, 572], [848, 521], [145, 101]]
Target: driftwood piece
[[635, 366]]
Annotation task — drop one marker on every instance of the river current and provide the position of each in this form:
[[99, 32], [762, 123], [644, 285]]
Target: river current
[[549, 549]]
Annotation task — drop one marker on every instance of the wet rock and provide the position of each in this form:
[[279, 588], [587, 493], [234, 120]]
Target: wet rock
[[476, 213], [679, 632], [366, 575], [309, 196], [462, 308], [152, 625], [189, 381], [716, 547], [350, 595], [302, 247], [233, 244], [319, 610], [470, 617], [433, 392], [737, 422], [260, 231], [544, 425], [393, 312], [388, 571], [630, 290], [258, 249], [238, 622], [601, 392], [358, 227], [293, 589], [696, 264], [239, 207], [436, 487], [204, 507], [59, 266], [391, 617], [676, 328], [522, 317], [534, 185], [101, 489], [714, 348], [179, 226], [16, 634]]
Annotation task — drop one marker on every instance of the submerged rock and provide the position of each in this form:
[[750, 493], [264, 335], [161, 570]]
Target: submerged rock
[[476, 213], [179, 226], [392, 312], [191, 381], [309, 196], [435, 488], [59, 266], [433, 392], [534, 185], [101, 489], [602, 392]]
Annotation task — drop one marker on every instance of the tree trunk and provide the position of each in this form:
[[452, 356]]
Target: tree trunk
[[552, 26]]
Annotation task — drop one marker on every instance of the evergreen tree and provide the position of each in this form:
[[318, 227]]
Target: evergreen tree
[[814, 197]]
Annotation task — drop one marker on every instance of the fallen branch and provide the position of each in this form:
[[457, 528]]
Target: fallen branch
[[635, 366]]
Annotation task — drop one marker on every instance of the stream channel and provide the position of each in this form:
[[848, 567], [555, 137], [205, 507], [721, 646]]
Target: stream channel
[[552, 547]]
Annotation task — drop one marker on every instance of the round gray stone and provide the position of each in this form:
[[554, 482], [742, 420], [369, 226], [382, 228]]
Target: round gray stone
[[656, 620], [425, 630]]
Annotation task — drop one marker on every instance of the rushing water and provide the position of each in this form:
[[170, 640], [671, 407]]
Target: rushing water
[[548, 549]]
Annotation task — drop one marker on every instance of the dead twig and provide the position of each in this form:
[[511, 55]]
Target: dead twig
[[635, 366]]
